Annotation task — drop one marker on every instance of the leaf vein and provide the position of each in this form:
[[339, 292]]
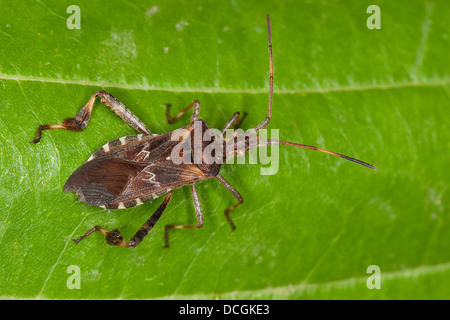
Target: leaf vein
[[288, 91]]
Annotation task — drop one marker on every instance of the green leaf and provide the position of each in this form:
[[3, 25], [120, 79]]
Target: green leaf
[[309, 231]]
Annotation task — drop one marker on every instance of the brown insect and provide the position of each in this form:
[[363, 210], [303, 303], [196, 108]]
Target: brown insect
[[132, 170]]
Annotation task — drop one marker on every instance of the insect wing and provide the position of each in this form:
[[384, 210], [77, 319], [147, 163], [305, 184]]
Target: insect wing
[[99, 181], [157, 179]]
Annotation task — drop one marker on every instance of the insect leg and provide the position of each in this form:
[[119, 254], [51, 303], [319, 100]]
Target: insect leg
[[115, 238], [195, 104], [150, 223], [198, 212], [236, 194], [81, 120], [234, 121]]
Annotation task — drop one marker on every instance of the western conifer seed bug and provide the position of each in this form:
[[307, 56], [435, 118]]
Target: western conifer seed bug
[[132, 170]]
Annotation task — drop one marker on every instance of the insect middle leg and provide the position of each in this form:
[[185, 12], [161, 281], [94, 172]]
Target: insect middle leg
[[198, 212], [235, 193], [234, 122], [115, 238], [195, 113], [81, 120]]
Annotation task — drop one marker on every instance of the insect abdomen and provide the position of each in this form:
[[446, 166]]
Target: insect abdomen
[[116, 143]]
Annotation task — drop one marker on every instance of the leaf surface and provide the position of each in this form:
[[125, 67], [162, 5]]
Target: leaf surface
[[309, 231]]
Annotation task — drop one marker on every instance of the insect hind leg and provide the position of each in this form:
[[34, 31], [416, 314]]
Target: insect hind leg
[[81, 120], [115, 238]]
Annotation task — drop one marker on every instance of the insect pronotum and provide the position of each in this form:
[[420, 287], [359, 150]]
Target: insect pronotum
[[132, 170]]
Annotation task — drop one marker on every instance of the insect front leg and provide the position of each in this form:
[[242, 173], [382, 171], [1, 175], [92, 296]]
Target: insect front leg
[[115, 238], [198, 212], [81, 120], [236, 194], [195, 113]]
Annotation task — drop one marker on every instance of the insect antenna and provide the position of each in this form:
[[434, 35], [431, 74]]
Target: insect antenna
[[266, 121], [304, 146], [252, 141]]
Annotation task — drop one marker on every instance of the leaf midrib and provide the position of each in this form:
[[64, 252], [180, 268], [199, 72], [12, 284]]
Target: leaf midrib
[[145, 87]]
